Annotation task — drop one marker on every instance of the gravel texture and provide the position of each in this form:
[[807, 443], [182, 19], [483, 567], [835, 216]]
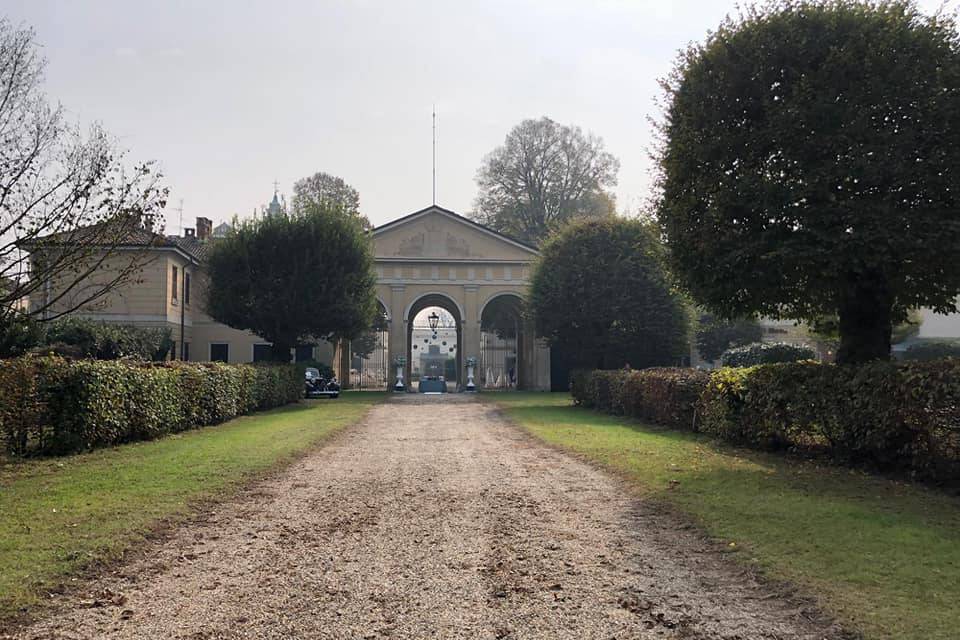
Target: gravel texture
[[433, 518]]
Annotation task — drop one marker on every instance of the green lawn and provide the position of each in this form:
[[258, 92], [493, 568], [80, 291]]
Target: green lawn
[[59, 515], [881, 555]]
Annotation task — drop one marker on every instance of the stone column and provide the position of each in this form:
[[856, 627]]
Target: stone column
[[542, 359], [470, 328], [341, 362], [398, 331]]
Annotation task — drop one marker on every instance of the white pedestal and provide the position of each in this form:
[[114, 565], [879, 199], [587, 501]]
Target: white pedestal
[[470, 384]]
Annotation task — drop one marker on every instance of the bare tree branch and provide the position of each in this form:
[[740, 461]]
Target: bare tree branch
[[544, 175], [68, 207]]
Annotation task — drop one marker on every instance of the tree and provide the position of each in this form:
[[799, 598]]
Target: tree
[[809, 166], [544, 175], [715, 335], [323, 189], [826, 329], [294, 279], [67, 202], [600, 291]]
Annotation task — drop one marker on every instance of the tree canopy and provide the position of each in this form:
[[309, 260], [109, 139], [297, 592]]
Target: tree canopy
[[323, 189], [543, 175], [809, 166], [294, 279], [600, 292]]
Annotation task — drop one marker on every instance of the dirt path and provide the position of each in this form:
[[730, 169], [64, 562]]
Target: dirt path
[[432, 519]]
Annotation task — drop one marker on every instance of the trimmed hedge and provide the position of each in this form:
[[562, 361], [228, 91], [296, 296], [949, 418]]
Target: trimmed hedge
[[932, 350], [765, 353], [666, 396], [891, 416], [50, 405]]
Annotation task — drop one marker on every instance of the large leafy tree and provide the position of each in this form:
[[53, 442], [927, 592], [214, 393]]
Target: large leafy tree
[[294, 279], [601, 292], [811, 166], [542, 176], [323, 189]]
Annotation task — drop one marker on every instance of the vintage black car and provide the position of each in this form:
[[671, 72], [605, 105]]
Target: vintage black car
[[316, 386]]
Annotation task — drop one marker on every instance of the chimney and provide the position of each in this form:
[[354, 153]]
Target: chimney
[[204, 229]]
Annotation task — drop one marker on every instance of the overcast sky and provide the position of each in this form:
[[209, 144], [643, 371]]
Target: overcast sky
[[230, 96]]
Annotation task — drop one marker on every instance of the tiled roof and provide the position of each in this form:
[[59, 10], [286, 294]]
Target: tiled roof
[[135, 236], [196, 248]]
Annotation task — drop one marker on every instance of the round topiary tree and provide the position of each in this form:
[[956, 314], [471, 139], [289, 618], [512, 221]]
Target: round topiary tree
[[810, 166], [600, 291], [292, 279]]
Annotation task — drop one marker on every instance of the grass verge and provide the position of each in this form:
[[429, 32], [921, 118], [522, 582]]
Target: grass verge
[[60, 515], [881, 555]]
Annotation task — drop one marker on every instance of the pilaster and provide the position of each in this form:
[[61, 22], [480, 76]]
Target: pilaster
[[471, 323]]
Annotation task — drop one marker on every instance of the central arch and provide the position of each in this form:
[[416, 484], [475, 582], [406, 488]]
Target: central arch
[[451, 306]]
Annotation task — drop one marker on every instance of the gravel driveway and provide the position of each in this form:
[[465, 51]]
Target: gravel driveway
[[433, 518]]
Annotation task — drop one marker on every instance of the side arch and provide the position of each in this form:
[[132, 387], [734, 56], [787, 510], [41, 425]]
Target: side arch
[[386, 308], [496, 295]]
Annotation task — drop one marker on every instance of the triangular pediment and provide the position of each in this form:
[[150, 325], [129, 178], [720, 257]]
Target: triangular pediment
[[438, 233]]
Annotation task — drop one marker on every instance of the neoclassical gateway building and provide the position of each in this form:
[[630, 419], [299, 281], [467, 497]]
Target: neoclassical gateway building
[[434, 258], [450, 292]]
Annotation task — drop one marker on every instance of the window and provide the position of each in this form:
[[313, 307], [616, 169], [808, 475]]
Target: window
[[186, 287], [174, 278], [262, 352], [219, 352], [304, 353]]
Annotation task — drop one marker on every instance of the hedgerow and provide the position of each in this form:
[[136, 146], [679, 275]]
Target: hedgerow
[[932, 350], [50, 405], [765, 353], [889, 416], [665, 396]]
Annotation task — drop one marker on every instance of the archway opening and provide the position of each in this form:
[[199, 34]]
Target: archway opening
[[434, 339], [370, 354], [501, 343]]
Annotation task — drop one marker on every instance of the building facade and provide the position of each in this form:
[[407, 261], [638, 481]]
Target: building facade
[[437, 258], [431, 258]]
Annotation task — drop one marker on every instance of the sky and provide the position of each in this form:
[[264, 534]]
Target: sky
[[229, 96]]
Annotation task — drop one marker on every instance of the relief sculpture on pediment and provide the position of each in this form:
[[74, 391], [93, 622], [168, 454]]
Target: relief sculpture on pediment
[[413, 246], [457, 247], [434, 242]]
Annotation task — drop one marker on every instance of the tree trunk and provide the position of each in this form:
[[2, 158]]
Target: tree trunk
[[866, 310], [281, 353]]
